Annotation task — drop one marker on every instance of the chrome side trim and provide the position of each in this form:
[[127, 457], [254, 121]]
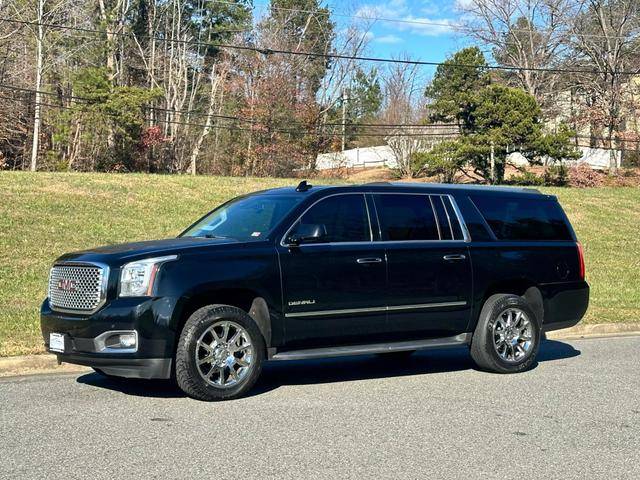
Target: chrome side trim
[[432, 343], [394, 308], [426, 305], [295, 222], [463, 225]]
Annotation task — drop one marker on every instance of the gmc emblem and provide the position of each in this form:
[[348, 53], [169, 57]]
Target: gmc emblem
[[66, 285]]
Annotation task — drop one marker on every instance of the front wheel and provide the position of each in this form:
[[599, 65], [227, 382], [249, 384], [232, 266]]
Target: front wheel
[[220, 353], [507, 337]]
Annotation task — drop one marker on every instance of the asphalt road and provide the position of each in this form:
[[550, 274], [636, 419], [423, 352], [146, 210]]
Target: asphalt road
[[576, 415]]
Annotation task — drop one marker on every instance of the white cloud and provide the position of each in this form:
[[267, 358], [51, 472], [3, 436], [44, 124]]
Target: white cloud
[[389, 39], [408, 22]]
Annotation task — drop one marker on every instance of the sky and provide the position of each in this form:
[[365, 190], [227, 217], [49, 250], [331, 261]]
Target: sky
[[412, 36]]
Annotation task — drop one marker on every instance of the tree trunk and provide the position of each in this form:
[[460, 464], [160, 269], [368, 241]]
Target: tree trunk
[[215, 81], [37, 110]]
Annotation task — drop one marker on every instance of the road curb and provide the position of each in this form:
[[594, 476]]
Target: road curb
[[48, 363], [36, 364], [595, 330]]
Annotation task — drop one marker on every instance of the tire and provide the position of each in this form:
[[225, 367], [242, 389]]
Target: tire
[[499, 343], [209, 365]]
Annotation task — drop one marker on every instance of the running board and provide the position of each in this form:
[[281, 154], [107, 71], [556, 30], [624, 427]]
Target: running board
[[462, 339]]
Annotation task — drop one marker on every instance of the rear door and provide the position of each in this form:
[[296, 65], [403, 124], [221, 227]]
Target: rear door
[[429, 270], [333, 288]]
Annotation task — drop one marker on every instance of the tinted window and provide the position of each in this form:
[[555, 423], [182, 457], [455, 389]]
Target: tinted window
[[455, 224], [344, 218], [523, 218], [406, 217], [443, 219], [245, 218]]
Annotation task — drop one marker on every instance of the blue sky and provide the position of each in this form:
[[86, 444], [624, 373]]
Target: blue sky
[[418, 40]]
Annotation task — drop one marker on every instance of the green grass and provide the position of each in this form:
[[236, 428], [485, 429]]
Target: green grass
[[44, 215]]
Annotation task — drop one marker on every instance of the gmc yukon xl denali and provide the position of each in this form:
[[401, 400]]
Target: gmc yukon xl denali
[[307, 272]]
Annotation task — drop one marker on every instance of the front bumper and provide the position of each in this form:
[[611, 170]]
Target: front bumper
[[149, 317], [159, 368]]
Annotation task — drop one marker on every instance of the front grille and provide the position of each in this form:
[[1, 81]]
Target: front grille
[[76, 287]]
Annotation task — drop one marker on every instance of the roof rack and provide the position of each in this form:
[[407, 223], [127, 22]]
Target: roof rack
[[303, 186], [379, 183]]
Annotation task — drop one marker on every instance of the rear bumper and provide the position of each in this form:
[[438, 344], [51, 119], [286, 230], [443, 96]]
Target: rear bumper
[[565, 304]]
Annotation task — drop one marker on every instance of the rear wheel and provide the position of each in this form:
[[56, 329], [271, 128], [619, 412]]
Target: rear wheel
[[220, 353], [507, 337]]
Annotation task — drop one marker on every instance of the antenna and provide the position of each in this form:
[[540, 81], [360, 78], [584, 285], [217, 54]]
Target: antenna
[[303, 186]]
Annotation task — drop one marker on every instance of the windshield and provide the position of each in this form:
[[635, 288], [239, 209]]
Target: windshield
[[244, 218]]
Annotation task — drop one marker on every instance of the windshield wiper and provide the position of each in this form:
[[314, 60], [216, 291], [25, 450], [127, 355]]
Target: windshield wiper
[[211, 235]]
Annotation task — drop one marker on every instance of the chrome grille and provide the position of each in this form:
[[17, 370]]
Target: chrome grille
[[77, 287]]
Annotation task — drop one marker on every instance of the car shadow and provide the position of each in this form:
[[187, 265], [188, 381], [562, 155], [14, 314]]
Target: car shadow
[[331, 370]]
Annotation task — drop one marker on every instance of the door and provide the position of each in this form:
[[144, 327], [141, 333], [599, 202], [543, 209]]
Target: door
[[333, 281], [429, 270]]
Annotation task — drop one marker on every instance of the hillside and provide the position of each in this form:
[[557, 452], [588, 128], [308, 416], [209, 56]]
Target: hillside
[[46, 214]]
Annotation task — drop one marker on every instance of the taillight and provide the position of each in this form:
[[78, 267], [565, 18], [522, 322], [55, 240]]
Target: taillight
[[581, 259]]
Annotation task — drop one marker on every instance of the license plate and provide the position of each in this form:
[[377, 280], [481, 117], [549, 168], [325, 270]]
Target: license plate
[[56, 342]]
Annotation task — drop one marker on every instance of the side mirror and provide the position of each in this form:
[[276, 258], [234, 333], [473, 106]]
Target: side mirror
[[307, 233]]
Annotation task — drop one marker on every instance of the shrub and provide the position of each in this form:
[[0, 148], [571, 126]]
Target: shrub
[[525, 178], [583, 176], [556, 176]]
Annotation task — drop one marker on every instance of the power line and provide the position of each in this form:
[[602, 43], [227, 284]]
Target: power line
[[271, 51], [408, 21], [289, 131], [196, 113], [302, 132]]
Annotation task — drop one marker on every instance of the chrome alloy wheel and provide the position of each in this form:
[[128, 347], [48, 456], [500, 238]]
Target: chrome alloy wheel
[[224, 354], [512, 335]]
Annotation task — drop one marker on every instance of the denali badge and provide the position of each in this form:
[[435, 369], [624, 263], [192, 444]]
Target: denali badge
[[295, 303], [66, 285]]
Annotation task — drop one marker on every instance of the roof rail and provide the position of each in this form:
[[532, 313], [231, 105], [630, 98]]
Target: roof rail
[[379, 183]]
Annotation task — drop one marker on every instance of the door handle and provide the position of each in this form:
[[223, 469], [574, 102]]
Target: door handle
[[454, 257], [363, 261]]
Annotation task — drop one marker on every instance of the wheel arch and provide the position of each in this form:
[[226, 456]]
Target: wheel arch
[[245, 299], [523, 287]]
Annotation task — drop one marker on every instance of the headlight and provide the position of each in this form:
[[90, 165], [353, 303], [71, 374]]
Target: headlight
[[136, 278]]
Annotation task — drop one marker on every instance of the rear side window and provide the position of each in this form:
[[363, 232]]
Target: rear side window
[[406, 217], [513, 218]]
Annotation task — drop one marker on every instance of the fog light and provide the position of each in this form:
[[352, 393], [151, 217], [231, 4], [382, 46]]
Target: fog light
[[127, 340]]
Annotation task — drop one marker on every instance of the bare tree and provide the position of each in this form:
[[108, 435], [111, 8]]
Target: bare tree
[[529, 34], [403, 87], [605, 36]]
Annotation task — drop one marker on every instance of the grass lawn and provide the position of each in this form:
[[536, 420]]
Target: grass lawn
[[44, 215]]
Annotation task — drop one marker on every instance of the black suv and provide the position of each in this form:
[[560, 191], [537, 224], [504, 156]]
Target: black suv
[[306, 272]]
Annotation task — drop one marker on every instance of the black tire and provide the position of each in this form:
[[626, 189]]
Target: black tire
[[188, 376], [483, 350]]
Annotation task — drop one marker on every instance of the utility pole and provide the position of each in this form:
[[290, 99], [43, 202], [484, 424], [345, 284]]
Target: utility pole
[[37, 111], [493, 165], [345, 99]]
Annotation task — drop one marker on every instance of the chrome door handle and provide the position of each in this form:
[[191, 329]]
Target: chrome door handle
[[454, 257], [369, 260]]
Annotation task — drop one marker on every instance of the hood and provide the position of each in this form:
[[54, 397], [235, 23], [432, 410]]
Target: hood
[[119, 253]]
